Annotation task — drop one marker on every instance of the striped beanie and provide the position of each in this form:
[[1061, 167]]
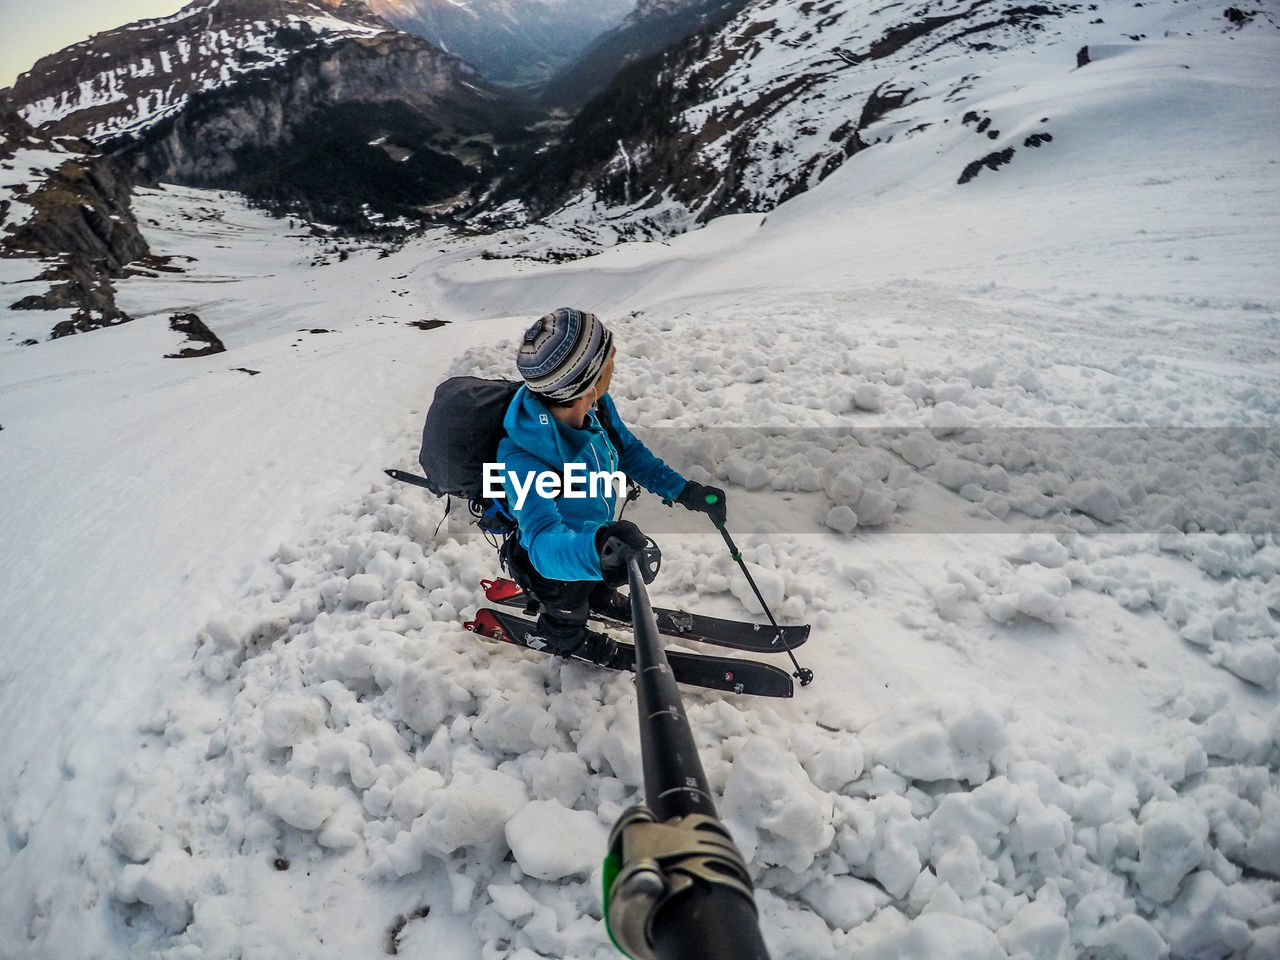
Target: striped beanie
[[563, 354]]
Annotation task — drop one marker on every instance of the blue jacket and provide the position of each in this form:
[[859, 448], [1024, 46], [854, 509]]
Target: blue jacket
[[559, 533]]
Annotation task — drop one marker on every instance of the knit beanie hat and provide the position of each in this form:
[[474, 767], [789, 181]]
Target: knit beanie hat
[[563, 354]]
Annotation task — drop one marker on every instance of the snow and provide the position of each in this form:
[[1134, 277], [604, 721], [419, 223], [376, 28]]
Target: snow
[[239, 714]]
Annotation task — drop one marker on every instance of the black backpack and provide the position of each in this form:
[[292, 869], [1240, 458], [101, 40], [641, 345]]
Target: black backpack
[[461, 435]]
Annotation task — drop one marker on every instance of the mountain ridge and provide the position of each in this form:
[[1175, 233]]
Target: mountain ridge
[[282, 100], [744, 116]]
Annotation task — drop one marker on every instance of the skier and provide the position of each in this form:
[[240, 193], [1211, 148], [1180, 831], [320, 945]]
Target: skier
[[568, 552]]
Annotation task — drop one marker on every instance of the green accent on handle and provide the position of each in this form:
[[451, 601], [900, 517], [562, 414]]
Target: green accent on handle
[[612, 867], [712, 498], [737, 558]]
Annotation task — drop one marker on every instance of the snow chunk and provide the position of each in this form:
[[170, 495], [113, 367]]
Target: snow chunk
[[866, 396], [1033, 591], [843, 901], [1094, 498], [1135, 938], [776, 815], [947, 418], [1263, 851], [1042, 550], [841, 519], [1197, 919], [293, 801], [934, 935], [472, 811], [229, 632], [1171, 845], [166, 887], [514, 725], [1037, 932], [792, 931], [961, 867], [288, 721], [835, 764], [1258, 662], [772, 588], [427, 693], [954, 744], [875, 507], [363, 588], [1039, 827], [550, 842], [845, 487], [918, 449], [136, 839]]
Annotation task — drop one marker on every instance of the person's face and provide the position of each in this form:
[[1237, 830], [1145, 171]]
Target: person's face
[[602, 385]]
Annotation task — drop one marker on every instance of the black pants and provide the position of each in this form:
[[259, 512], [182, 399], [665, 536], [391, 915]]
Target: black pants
[[566, 604]]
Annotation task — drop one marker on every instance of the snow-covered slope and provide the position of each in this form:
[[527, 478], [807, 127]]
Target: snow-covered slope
[[239, 715], [783, 94]]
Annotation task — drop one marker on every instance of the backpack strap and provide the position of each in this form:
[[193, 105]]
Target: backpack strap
[[633, 488], [609, 428], [448, 502]]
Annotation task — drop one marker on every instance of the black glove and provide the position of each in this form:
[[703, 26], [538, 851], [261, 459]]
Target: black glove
[[708, 500], [617, 543]]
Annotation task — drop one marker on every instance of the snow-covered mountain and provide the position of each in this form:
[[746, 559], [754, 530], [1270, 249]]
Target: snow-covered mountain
[[782, 95], [126, 80], [518, 42], [314, 104], [650, 28]]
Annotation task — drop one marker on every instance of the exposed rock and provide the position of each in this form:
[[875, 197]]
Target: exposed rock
[[197, 332], [76, 217], [992, 161]]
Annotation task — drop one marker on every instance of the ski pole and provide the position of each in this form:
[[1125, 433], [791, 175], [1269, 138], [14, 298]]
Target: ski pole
[[675, 885], [803, 674], [412, 478]]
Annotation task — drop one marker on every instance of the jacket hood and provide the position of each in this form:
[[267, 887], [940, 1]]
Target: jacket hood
[[530, 424]]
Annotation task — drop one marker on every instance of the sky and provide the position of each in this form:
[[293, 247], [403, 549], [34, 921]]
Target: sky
[[33, 28]]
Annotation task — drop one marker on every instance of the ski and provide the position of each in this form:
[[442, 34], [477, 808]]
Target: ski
[[695, 669], [736, 634]]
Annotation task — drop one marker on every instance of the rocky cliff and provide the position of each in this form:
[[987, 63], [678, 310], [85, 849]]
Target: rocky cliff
[[68, 206]]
